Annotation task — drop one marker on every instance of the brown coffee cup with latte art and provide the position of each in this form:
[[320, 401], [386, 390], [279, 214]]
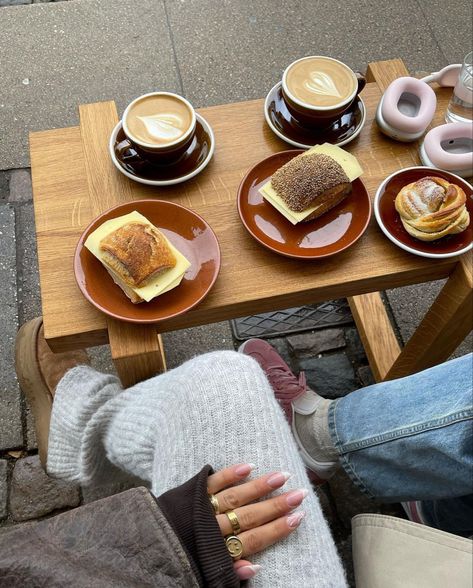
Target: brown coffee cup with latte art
[[317, 90], [160, 126]]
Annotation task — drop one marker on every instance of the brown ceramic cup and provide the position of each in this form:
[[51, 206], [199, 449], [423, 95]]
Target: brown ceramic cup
[[308, 112], [166, 151]]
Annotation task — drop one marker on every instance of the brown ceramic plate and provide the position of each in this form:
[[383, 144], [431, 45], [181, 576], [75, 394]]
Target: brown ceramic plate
[[331, 233], [391, 225], [186, 230]]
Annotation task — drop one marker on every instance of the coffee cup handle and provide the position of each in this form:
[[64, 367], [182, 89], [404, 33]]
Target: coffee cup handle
[[361, 81]]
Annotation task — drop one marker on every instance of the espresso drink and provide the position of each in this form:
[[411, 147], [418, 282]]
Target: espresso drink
[[320, 82], [158, 120]]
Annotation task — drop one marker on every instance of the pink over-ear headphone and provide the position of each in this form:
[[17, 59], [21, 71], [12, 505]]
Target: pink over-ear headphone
[[449, 147], [408, 105]]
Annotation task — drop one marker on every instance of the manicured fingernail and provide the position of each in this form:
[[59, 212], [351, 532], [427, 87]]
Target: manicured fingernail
[[244, 469], [277, 480], [247, 572], [295, 518], [296, 497]]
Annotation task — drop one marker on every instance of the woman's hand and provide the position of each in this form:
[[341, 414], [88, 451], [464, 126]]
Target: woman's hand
[[262, 523]]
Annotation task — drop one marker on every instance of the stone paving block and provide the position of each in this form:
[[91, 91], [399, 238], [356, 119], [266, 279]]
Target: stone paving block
[[332, 375], [409, 306], [20, 186], [3, 488], [14, 2], [4, 185], [74, 53], [230, 51], [29, 296], [355, 349], [365, 375], [281, 346], [101, 359], [34, 494], [311, 344], [179, 346], [451, 24], [11, 435]]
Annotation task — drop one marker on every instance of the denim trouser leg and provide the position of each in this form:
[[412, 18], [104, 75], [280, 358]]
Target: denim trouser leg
[[412, 438]]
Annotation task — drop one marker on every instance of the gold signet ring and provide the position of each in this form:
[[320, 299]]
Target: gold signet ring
[[233, 521], [214, 503], [234, 546]]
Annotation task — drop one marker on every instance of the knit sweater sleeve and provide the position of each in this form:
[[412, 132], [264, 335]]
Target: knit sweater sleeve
[[188, 510]]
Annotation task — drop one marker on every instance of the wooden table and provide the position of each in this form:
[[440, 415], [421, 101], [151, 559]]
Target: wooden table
[[74, 180]]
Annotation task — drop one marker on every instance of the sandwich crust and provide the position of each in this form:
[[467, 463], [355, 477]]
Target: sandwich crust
[[306, 179], [137, 253]]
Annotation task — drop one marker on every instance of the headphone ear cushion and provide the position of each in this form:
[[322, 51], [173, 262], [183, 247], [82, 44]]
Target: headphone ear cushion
[[408, 105], [450, 147]]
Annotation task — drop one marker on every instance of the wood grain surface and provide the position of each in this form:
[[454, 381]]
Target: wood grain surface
[[252, 279], [136, 350]]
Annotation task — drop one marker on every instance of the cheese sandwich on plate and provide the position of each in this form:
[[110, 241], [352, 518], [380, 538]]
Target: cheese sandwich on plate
[[312, 183], [138, 256]]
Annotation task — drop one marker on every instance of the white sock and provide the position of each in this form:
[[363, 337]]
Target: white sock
[[313, 431]]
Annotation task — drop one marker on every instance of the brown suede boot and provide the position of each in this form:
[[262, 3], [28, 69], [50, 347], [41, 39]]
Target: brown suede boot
[[39, 371]]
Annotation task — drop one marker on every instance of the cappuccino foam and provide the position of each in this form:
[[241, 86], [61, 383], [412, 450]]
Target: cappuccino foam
[[158, 120], [319, 81]]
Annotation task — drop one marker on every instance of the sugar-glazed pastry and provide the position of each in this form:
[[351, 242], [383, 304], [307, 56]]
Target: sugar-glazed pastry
[[432, 208]]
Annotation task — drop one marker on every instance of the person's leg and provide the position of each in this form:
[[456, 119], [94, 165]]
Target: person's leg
[[217, 409], [409, 439]]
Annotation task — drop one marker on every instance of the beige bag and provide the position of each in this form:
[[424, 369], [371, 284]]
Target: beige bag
[[394, 553]]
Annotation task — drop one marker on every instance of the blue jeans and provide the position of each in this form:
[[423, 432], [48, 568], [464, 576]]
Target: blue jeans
[[412, 439]]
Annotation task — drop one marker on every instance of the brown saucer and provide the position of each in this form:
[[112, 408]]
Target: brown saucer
[[287, 128], [390, 222], [331, 233], [186, 230], [189, 164]]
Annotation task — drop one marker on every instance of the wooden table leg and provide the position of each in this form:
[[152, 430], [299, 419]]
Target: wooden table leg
[[137, 351], [376, 333], [444, 327]]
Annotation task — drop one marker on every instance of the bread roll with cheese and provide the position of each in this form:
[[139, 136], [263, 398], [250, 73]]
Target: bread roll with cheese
[[137, 253], [138, 256], [310, 180]]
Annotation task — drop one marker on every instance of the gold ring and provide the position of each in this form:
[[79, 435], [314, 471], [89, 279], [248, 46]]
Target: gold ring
[[214, 502], [233, 521], [234, 546]]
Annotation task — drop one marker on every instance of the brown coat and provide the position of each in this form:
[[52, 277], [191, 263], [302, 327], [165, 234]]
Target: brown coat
[[120, 541]]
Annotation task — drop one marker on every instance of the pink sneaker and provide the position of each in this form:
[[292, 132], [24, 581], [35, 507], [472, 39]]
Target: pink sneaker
[[293, 395]]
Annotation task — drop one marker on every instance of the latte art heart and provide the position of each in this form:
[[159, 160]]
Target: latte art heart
[[159, 119], [164, 127], [321, 83]]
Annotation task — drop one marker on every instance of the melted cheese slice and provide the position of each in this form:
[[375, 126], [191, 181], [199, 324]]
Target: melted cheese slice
[[159, 285], [269, 194], [347, 162]]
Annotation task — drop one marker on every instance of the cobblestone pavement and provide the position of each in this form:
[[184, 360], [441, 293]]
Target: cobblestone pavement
[[333, 360]]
